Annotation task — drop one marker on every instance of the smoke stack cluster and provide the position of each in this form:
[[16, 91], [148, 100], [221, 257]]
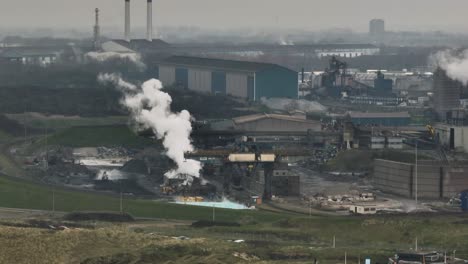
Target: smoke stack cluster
[[149, 20]]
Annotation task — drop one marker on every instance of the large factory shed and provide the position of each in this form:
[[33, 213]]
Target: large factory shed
[[434, 179], [249, 80], [380, 119], [275, 123]]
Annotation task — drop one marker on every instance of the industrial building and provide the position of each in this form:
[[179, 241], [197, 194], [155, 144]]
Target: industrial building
[[391, 119], [275, 123], [31, 56], [435, 180], [345, 50], [447, 94], [376, 27], [452, 137], [248, 80]]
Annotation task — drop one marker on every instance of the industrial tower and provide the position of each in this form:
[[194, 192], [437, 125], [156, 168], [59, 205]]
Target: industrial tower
[[97, 33]]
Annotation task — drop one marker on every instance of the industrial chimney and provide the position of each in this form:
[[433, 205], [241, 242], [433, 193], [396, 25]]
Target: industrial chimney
[[97, 32], [149, 22], [127, 20]]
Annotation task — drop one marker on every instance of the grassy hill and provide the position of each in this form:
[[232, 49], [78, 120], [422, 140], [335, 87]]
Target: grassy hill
[[27, 195], [93, 136]]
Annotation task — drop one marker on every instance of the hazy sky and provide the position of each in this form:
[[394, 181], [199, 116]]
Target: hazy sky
[[308, 14]]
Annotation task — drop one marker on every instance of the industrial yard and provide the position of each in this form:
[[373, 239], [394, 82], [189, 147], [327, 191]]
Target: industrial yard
[[183, 144]]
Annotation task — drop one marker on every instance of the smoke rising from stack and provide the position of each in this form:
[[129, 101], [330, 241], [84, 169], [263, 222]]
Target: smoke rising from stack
[[454, 63], [150, 108]]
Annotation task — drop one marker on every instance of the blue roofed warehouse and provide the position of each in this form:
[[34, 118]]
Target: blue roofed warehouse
[[249, 80]]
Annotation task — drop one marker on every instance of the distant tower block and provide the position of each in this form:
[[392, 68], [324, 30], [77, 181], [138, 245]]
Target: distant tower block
[[127, 20], [97, 32], [377, 28], [149, 21]]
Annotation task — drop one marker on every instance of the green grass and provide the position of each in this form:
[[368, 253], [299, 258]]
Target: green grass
[[95, 136], [27, 195], [4, 137], [61, 122], [282, 234]]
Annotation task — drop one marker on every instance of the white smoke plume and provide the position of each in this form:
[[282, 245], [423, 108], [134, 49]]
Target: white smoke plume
[[151, 108], [454, 63], [105, 56]]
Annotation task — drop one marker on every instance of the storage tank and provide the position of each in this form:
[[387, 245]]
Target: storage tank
[[464, 200]]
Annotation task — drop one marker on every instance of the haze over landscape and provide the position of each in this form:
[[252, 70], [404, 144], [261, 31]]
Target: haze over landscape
[[401, 15]]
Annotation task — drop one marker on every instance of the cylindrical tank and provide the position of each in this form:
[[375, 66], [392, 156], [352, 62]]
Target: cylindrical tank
[[464, 200]]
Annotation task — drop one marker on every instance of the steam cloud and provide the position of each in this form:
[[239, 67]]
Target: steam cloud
[[105, 56], [454, 63], [150, 107]]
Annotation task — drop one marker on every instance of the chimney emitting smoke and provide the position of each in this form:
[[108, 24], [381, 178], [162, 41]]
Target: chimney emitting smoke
[[149, 22], [127, 20]]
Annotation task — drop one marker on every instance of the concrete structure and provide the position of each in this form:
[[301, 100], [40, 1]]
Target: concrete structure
[[452, 137], [363, 209], [248, 80], [275, 123], [390, 119], [149, 21], [97, 32], [395, 143], [435, 180], [447, 93], [127, 20], [31, 56], [377, 28], [377, 143]]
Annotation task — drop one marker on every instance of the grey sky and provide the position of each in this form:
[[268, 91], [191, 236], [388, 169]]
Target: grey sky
[[307, 14]]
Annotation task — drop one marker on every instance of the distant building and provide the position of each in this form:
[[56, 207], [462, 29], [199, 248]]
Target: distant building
[[452, 137], [363, 209], [31, 56], [447, 94], [390, 119], [345, 50], [376, 27], [135, 45], [382, 85], [275, 123], [248, 80], [436, 180]]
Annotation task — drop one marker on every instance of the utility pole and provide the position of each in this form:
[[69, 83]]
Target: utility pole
[[213, 213], [310, 208], [416, 174], [416, 245], [121, 198], [345, 257], [334, 241], [53, 199]]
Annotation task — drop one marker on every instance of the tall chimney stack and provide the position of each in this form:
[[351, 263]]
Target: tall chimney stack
[[127, 20], [149, 22], [97, 31]]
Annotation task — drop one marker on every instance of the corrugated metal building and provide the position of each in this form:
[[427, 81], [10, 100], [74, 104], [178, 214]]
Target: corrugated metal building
[[380, 119], [275, 123], [250, 80], [436, 180]]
